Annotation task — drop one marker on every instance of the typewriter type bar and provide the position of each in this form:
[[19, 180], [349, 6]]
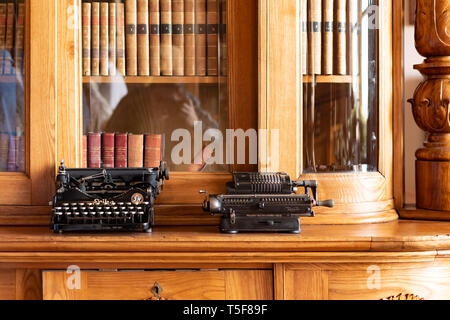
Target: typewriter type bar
[[106, 199]]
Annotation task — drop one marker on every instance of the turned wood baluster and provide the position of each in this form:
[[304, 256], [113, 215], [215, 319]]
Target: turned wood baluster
[[431, 103]]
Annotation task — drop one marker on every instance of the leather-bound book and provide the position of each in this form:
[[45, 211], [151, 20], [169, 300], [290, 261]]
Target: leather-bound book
[[223, 38], [86, 36], [108, 150], [131, 38], [327, 37], [104, 38], [189, 38], [112, 37], [315, 37], [95, 42], [120, 38], [121, 150], [155, 38], [304, 22], [21, 154], [200, 37], [9, 38], [178, 37], [212, 29], [166, 38], [94, 150], [340, 36], [4, 147], [84, 164], [13, 153], [3, 12], [19, 41], [153, 150], [143, 41], [135, 150]]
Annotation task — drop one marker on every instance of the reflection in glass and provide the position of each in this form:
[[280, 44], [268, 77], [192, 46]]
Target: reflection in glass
[[340, 112]]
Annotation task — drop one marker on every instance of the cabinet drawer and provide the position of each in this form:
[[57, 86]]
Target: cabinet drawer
[[170, 285]]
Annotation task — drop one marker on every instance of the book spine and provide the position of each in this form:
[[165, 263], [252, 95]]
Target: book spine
[[94, 150], [21, 154], [104, 38], [131, 39], [212, 29], [315, 35], [4, 147], [327, 37], [189, 37], [304, 21], [95, 43], [108, 150], [19, 42], [223, 38], [340, 37], [85, 152], [12, 153], [112, 37], [120, 50], [8, 66], [135, 150], [166, 38], [121, 150], [143, 49], [155, 38], [178, 37], [200, 37], [3, 15], [86, 40], [152, 150]]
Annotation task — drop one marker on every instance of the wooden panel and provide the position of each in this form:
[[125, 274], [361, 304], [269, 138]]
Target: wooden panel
[[249, 285], [28, 284], [8, 284], [137, 285], [306, 285]]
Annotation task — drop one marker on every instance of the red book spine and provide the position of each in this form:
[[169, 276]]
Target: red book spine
[[135, 151], [121, 150], [4, 143], [12, 153], [108, 150], [85, 152], [152, 150], [94, 150]]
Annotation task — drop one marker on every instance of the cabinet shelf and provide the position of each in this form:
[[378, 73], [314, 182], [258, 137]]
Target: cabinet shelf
[[327, 78], [155, 79]]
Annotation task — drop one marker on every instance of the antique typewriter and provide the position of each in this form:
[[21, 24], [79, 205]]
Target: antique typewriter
[[263, 202], [106, 199]]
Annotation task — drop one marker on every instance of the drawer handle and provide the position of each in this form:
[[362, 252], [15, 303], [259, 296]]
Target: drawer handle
[[156, 290]]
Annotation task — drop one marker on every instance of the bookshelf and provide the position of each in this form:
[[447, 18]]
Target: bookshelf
[[157, 79]]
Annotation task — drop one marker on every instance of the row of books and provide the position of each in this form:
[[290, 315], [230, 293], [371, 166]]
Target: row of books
[[122, 150], [154, 37], [12, 31], [324, 36], [12, 152]]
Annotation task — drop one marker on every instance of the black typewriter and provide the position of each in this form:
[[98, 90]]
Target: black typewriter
[[106, 199], [263, 202]]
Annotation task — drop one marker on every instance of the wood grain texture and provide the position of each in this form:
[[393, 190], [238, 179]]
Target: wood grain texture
[[28, 284], [8, 284], [423, 214], [175, 285]]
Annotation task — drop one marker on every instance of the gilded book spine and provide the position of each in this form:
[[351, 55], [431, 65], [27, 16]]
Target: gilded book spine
[[189, 37], [13, 153], [9, 38], [315, 37], [223, 38], [20, 32], [178, 37], [143, 38], [85, 152], [21, 154], [120, 39], [86, 30], [104, 38], [340, 37], [3, 14], [94, 150], [108, 150], [212, 29], [4, 147], [166, 38], [121, 150], [200, 37], [112, 37], [95, 43], [135, 150], [327, 37], [155, 38], [153, 150], [131, 39]]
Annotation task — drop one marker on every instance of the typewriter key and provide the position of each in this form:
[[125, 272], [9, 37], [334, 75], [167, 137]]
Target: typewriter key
[[85, 213], [123, 208], [65, 204], [101, 213], [108, 213]]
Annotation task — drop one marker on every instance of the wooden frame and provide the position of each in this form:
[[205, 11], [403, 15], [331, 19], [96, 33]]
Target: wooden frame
[[360, 198]]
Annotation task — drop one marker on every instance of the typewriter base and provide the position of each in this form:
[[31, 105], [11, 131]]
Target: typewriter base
[[261, 224], [145, 227]]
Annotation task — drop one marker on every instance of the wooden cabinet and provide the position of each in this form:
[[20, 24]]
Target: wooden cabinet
[[166, 285]]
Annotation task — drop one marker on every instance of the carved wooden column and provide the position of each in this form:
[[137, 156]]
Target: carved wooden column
[[431, 104]]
